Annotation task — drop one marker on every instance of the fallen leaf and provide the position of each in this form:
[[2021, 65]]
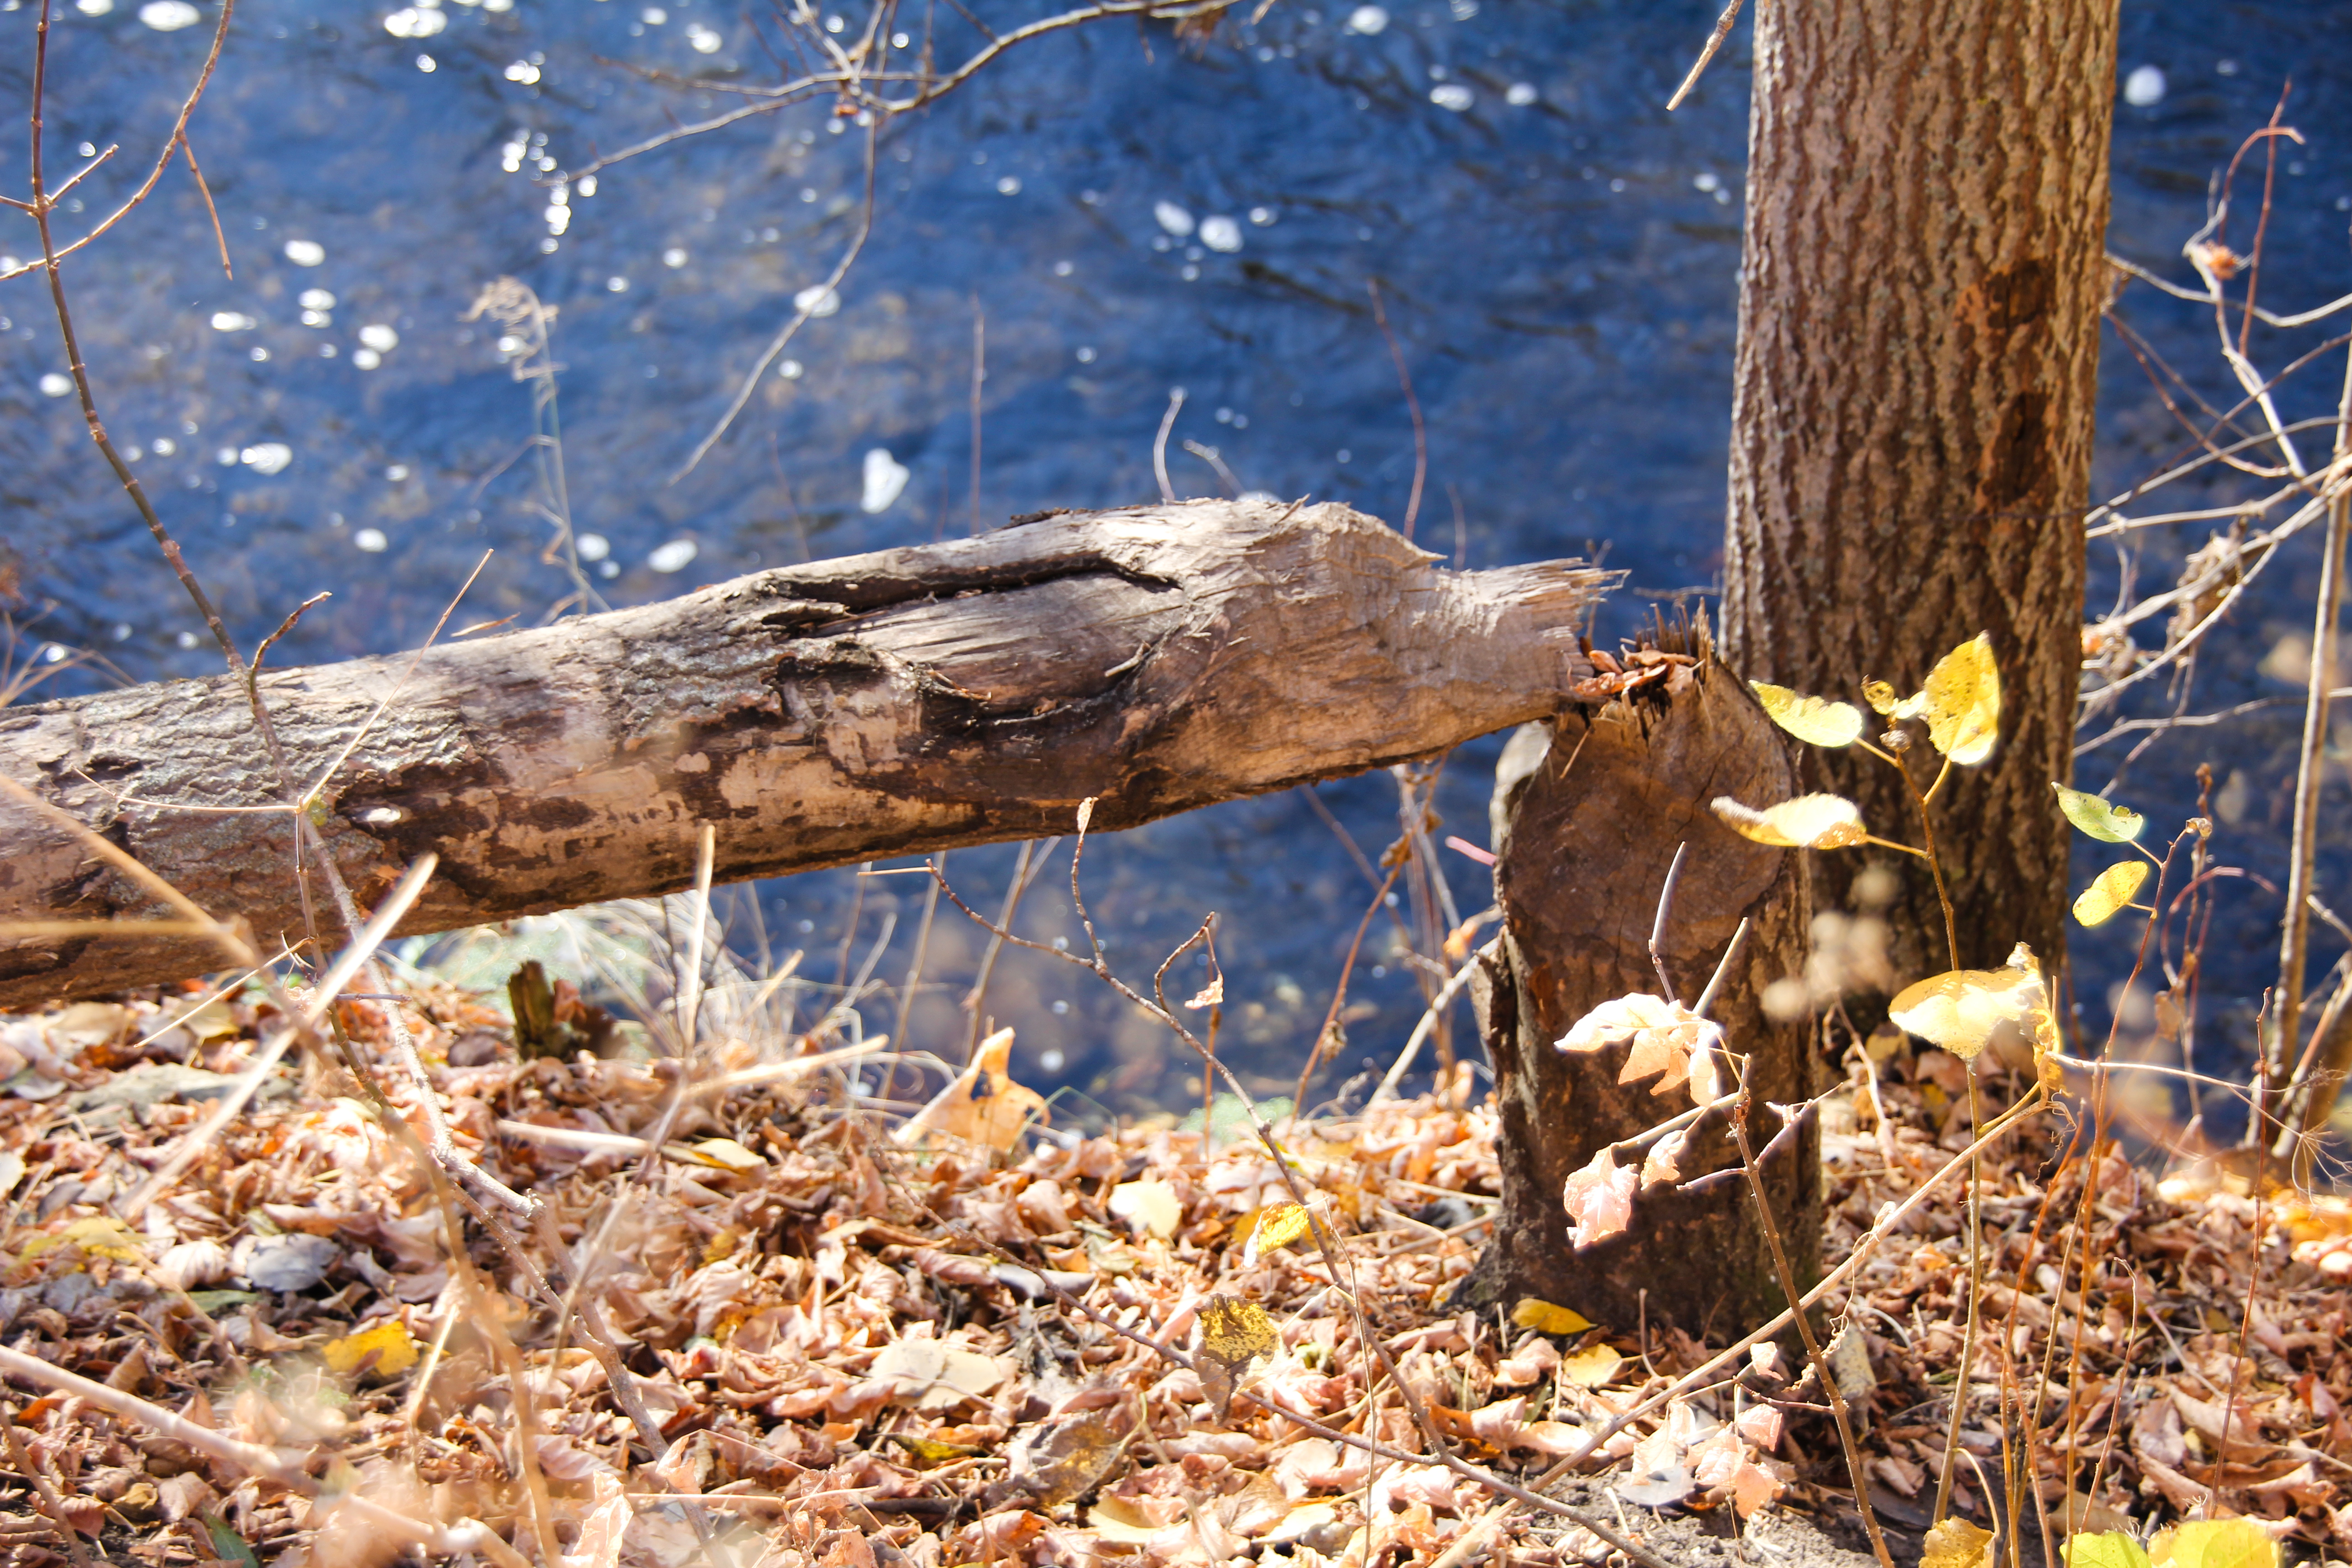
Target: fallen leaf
[[385, 1350], [1816, 720], [934, 1374], [2102, 819], [982, 1105], [1591, 1367], [1063, 1458], [1808, 821], [99, 1235], [1147, 1206], [2110, 891], [1547, 1319]]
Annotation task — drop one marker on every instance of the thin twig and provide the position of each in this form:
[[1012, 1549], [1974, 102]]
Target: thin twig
[[1713, 42]]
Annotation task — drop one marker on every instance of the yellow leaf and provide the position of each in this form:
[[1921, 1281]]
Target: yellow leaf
[[394, 1352], [1119, 1520], [1235, 1333], [2103, 820], [931, 1452], [1880, 697], [1960, 1008], [1956, 1543], [1147, 1206], [1278, 1224], [2112, 1548], [1808, 821], [1816, 720], [100, 1236], [1546, 1319], [1590, 1367], [725, 1154], [1961, 702], [2214, 1543], [982, 1105], [2109, 891]]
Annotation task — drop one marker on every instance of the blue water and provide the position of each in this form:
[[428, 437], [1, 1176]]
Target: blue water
[[1558, 257]]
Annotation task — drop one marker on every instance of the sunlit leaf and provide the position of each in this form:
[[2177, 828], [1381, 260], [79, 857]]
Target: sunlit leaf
[[1147, 1206], [1668, 1039], [1880, 697], [1232, 1334], [2112, 1548], [2109, 891], [1960, 1008], [2102, 819], [2214, 1543], [724, 1154], [930, 1451], [1808, 821], [388, 1342], [1591, 1367], [1600, 1199], [1547, 1319], [1961, 702], [1816, 720], [1278, 1224], [99, 1235], [227, 1544], [1956, 1543], [981, 1105]]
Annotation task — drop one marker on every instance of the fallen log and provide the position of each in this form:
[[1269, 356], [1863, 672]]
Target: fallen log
[[1159, 658]]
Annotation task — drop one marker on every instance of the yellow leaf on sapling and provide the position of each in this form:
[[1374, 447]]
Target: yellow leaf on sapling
[[1880, 697], [1956, 1543], [1547, 1319], [1816, 720], [1808, 821], [1961, 702], [2214, 1543], [2102, 819], [390, 1344], [2109, 1549], [2110, 891], [1960, 1008]]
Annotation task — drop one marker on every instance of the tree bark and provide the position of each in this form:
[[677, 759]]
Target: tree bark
[[1588, 827], [1911, 426], [1159, 658]]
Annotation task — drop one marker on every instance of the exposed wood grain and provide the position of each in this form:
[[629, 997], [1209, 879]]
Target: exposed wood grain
[[1587, 848], [1161, 659]]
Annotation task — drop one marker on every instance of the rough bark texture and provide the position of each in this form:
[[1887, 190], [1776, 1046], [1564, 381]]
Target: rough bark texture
[[1160, 659], [1911, 426], [1585, 847]]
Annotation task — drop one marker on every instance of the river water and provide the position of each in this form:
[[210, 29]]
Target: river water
[[1122, 214]]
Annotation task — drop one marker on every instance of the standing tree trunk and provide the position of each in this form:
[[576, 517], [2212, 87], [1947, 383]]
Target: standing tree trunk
[[1586, 830], [1911, 426]]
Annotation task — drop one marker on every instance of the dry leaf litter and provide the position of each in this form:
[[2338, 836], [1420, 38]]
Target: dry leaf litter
[[849, 1333]]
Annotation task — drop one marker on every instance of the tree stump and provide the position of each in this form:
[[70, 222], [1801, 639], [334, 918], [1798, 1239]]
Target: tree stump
[[1589, 811]]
